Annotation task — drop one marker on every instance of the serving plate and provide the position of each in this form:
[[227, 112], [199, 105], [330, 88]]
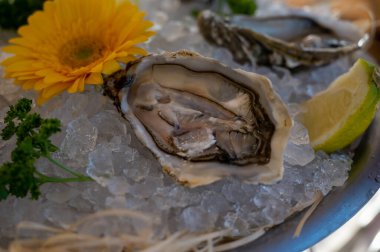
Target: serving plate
[[339, 206]]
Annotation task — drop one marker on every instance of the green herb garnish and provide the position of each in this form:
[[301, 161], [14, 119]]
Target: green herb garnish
[[245, 7], [20, 176]]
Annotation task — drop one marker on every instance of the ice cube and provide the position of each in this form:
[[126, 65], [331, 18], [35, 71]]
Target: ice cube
[[238, 226], [172, 31], [95, 195], [61, 193], [118, 186], [118, 202], [214, 202], [197, 219], [80, 139], [100, 166], [146, 188], [109, 124], [60, 215], [298, 150]]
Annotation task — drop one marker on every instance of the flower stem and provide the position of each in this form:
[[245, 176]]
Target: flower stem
[[64, 167], [46, 179]]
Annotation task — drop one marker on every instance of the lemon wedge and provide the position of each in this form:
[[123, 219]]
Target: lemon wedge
[[342, 112]]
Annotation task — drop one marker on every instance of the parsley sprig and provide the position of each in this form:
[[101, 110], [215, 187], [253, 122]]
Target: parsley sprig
[[20, 177], [245, 7]]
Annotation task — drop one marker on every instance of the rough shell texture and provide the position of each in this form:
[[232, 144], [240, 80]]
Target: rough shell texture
[[291, 41], [202, 120]]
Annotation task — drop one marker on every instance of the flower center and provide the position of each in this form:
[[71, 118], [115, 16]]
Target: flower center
[[81, 52]]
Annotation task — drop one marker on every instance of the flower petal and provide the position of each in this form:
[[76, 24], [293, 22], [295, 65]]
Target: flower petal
[[27, 85], [41, 84], [98, 68], [73, 87], [29, 77], [54, 77], [110, 67], [126, 59], [18, 50], [81, 84], [23, 65], [48, 93], [11, 60], [94, 79]]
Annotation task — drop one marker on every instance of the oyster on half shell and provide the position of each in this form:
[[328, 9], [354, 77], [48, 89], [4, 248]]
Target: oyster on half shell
[[202, 120], [300, 38]]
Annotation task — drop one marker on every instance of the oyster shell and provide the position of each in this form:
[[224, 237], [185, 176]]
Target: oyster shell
[[291, 41], [202, 120]]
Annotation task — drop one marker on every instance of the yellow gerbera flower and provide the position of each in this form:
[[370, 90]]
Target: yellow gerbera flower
[[72, 42]]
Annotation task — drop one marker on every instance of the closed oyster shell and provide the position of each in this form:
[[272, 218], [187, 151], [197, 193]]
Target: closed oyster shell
[[299, 38], [202, 120]]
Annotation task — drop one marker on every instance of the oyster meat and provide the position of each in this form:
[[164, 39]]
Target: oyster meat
[[202, 120], [291, 41]]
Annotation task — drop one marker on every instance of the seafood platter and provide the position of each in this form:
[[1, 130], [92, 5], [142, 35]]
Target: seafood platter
[[185, 126]]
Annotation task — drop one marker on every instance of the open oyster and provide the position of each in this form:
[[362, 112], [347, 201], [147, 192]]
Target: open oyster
[[291, 41], [202, 120]]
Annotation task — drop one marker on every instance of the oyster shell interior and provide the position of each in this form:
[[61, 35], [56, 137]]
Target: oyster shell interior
[[304, 31], [297, 39], [204, 121]]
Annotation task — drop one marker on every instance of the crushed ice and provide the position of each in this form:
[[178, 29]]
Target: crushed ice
[[96, 140]]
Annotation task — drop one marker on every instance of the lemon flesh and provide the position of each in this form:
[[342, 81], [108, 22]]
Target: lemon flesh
[[342, 112]]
